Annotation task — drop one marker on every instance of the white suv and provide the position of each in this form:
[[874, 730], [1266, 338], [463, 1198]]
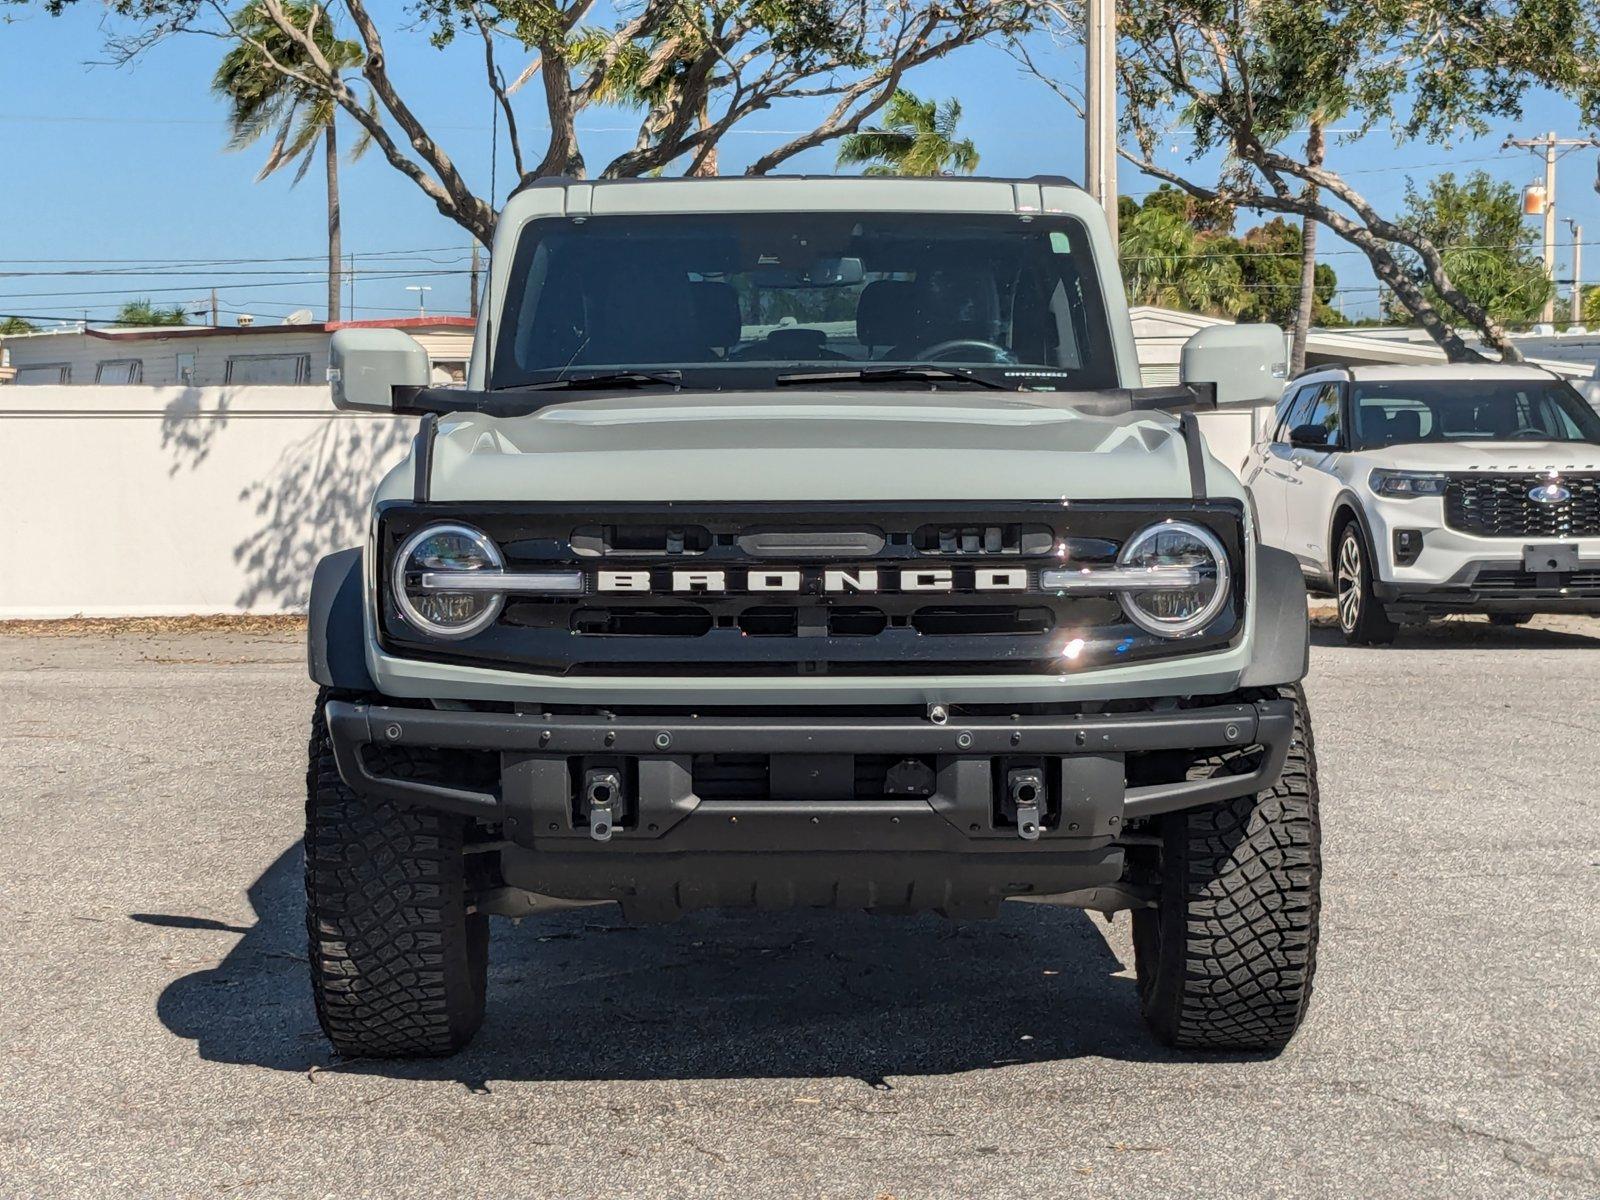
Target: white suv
[[1409, 492]]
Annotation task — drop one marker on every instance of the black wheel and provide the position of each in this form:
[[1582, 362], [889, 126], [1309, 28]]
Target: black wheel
[[1226, 959], [1510, 620], [1362, 618], [398, 965]]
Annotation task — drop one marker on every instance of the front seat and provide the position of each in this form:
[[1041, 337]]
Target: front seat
[[883, 316], [716, 315]]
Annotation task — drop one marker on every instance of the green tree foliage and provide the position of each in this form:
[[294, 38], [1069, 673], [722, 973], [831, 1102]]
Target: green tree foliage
[[1179, 252], [143, 312], [1166, 261], [15, 325], [1241, 82], [918, 137], [1269, 260], [1488, 246]]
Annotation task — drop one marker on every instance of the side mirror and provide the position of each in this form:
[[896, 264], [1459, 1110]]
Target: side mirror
[[366, 365], [1247, 363], [1309, 437]]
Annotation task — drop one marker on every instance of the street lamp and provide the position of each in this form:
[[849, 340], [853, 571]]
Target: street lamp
[[420, 289]]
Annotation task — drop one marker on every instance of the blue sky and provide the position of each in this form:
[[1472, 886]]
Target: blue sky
[[119, 165]]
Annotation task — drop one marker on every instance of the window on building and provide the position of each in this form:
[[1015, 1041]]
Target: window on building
[[44, 373], [185, 369], [120, 370], [268, 368]]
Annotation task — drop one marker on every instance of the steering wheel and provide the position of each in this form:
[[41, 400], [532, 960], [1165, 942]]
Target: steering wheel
[[945, 351], [1528, 431]]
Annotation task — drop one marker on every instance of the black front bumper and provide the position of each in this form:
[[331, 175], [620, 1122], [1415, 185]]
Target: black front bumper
[[951, 846], [1496, 586]]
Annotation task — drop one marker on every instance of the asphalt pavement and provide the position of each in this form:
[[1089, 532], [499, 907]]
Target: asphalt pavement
[[157, 1036]]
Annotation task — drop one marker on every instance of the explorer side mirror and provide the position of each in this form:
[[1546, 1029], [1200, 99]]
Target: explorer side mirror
[[1310, 437], [366, 365], [1247, 363]]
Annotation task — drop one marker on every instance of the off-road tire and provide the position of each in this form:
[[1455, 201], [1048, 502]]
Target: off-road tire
[[1362, 618], [398, 965], [1226, 960]]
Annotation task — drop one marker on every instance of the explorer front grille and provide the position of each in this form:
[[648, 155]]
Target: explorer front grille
[[964, 628], [1499, 505]]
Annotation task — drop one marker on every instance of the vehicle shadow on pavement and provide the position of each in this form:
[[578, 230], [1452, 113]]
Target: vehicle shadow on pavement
[[1459, 634], [576, 996]]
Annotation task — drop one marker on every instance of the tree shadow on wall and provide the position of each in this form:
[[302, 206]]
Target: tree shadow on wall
[[312, 502], [189, 429]]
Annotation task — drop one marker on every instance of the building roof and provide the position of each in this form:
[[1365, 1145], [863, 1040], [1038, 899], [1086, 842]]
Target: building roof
[[164, 332]]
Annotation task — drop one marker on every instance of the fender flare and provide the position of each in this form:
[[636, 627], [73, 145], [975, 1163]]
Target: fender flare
[[336, 630], [1281, 652]]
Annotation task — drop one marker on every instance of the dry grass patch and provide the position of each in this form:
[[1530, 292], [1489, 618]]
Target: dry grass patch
[[156, 626]]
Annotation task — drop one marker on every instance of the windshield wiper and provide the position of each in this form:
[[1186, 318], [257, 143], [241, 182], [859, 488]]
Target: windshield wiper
[[925, 374], [672, 379]]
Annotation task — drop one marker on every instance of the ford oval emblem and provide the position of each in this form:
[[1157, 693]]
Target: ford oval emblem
[[1549, 493]]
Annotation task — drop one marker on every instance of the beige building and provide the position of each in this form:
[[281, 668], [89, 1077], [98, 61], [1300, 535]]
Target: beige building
[[213, 356]]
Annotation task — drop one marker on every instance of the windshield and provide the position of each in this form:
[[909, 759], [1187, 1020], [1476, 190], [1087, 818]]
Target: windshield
[[738, 299], [1406, 412]]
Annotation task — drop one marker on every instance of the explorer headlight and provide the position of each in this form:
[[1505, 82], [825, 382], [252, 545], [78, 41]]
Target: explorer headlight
[[422, 578], [1189, 576], [1407, 484]]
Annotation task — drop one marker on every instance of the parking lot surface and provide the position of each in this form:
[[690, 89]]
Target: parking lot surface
[[159, 1038]]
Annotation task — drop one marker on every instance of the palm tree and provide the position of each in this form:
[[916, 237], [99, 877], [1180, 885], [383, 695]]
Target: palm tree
[[1165, 262], [647, 74], [918, 138], [144, 312], [262, 100], [1305, 309]]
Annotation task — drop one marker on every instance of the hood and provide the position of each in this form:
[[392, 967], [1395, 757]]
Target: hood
[[1521, 455], [813, 446]]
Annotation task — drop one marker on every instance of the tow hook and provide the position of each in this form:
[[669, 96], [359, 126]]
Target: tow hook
[[1026, 788], [603, 790]]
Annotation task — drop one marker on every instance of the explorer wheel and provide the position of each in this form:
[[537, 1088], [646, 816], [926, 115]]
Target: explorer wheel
[[1362, 618], [398, 966], [1226, 959]]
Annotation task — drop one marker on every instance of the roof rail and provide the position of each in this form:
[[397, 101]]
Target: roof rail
[[1345, 367]]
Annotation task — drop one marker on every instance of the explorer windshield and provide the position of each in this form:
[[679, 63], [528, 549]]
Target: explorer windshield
[[737, 299], [1407, 412]]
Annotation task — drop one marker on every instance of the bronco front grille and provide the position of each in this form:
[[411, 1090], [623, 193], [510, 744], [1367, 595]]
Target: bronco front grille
[[653, 630], [1500, 505]]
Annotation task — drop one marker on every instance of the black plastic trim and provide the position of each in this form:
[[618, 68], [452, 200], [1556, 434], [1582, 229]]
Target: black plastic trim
[[336, 636], [422, 453], [354, 725], [1189, 426], [1281, 649]]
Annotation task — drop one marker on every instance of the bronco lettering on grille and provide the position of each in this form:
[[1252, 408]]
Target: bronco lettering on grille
[[827, 580]]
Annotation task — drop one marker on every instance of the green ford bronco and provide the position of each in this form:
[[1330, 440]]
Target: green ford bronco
[[808, 542]]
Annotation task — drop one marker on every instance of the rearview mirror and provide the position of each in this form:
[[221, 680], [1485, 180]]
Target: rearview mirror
[[366, 365], [1246, 363]]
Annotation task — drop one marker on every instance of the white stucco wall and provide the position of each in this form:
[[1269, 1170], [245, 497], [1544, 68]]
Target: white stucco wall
[[163, 500]]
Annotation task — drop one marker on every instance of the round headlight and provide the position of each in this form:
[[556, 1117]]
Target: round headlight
[[1196, 587], [430, 556]]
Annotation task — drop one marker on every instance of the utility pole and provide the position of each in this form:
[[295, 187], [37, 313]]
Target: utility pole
[[351, 275], [1550, 146], [472, 284], [1577, 270], [1100, 107], [213, 308]]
